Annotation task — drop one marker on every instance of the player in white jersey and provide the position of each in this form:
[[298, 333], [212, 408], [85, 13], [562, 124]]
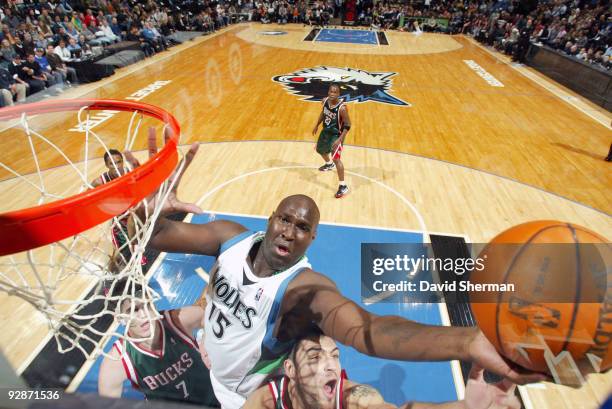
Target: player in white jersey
[[242, 308], [304, 297]]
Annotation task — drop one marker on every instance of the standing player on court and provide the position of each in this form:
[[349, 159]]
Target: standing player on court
[[336, 124]]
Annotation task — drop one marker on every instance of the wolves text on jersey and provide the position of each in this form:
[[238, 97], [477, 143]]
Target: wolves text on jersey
[[230, 297]]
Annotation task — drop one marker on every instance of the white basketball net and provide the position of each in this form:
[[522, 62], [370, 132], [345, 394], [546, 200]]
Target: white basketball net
[[67, 282]]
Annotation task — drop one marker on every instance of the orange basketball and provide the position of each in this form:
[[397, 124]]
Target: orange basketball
[[560, 310]]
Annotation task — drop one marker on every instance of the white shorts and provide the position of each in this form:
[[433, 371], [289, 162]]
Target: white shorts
[[227, 398]]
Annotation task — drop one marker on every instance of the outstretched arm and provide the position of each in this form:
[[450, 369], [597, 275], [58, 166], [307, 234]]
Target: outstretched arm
[[179, 237], [387, 336], [392, 337]]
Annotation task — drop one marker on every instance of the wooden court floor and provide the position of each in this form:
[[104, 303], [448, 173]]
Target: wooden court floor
[[464, 157]]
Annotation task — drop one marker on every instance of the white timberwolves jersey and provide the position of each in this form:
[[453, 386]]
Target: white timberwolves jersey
[[240, 319]]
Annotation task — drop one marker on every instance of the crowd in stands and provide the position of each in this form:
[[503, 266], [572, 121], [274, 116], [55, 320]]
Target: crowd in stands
[[39, 40], [579, 28]]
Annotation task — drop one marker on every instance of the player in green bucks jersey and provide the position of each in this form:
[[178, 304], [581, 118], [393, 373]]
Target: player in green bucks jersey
[[168, 366], [336, 124]]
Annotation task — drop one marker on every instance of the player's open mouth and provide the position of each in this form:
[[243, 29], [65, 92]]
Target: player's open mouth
[[282, 250], [329, 389]]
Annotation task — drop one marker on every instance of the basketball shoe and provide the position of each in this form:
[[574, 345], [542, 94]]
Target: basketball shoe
[[327, 167], [342, 191]]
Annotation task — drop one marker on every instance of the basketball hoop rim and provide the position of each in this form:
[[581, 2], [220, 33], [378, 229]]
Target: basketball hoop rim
[[33, 227]]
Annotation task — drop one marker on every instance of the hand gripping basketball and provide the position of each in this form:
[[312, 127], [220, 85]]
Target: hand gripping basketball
[[172, 204], [484, 354]]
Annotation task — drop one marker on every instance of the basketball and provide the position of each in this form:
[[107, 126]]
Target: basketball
[[559, 316]]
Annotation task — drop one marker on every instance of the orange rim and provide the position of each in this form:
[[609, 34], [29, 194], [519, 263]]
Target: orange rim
[[37, 226]]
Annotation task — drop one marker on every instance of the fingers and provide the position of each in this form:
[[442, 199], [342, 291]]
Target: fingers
[[506, 386], [522, 376], [187, 208], [476, 373], [167, 133], [525, 378], [193, 149], [129, 156], [152, 142]]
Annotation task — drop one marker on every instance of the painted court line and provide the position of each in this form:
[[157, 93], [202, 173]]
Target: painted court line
[[202, 274], [550, 87], [417, 214], [328, 223]]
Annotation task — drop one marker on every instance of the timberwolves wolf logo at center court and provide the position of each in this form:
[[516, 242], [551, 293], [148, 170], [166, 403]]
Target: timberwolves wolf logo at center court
[[355, 85]]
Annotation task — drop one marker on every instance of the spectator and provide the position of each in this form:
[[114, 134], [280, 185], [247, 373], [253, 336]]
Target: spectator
[[295, 14], [37, 35], [45, 29], [88, 34], [582, 55], [77, 22], [7, 35], [134, 35], [70, 30], [283, 14], [158, 36], [116, 29], [57, 65], [10, 88], [107, 32], [19, 48], [60, 35], [7, 52], [74, 46], [64, 7], [154, 40], [45, 18], [99, 35], [38, 79], [53, 77], [63, 52], [10, 20], [21, 29], [24, 75], [28, 44], [89, 17]]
